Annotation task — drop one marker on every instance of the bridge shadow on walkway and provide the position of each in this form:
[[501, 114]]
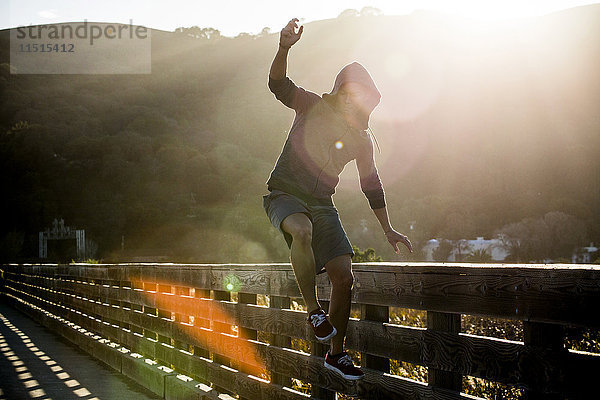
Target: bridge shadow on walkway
[[38, 364]]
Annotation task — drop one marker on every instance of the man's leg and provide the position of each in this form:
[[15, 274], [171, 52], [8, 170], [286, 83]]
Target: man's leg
[[339, 270], [303, 260]]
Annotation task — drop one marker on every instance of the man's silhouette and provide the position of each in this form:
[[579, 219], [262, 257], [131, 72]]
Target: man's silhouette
[[328, 132]]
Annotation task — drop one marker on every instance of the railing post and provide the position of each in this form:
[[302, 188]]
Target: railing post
[[246, 298], [444, 322], [201, 322], [547, 337], [148, 286], [163, 314], [222, 295], [377, 314], [179, 318], [280, 340]]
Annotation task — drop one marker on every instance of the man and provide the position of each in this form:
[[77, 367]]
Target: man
[[327, 133]]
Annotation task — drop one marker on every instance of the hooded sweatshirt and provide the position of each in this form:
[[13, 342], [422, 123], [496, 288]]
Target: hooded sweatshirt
[[321, 142]]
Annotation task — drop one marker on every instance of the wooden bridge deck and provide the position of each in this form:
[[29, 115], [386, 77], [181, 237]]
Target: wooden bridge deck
[[38, 364]]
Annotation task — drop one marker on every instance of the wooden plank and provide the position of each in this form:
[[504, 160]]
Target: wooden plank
[[545, 336], [375, 314], [277, 337], [537, 293], [450, 324], [245, 333], [219, 352]]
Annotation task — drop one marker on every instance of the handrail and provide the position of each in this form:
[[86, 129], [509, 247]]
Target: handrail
[[182, 316]]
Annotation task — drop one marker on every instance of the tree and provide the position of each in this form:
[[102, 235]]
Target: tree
[[566, 233], [368, 255], [11, 246], [350, 12], [370, 11], [554, 235], [200, 33], [442, 252], [479, 256], [527, 240], [461, 246], [266, 31]]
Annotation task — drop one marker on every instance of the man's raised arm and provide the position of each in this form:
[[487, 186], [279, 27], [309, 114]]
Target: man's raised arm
[[287, 38]]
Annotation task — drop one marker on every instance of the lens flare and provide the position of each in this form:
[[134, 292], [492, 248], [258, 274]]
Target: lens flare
[[232, 283], [224, 343], [339, 144]]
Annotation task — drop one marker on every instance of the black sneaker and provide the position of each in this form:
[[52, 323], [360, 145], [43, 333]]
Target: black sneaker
[[343, 365], [321, 325]]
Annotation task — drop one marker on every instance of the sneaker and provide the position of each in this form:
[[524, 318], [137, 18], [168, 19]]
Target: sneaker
[[321, 325], [343, 365]]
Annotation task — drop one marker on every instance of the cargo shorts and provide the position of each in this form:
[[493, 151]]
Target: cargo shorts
[[329, 240]]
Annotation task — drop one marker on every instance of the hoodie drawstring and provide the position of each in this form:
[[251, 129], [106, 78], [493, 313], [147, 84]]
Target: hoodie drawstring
[[375, 137]]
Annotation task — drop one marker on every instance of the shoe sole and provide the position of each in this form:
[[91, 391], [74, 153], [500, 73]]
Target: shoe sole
[[326, 338], [337, 371]]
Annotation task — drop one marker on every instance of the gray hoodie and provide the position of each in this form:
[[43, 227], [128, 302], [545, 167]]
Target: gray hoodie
[[320, 142]]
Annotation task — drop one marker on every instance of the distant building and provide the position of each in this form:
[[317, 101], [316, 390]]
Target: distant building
[[585, 255], [463, 247]]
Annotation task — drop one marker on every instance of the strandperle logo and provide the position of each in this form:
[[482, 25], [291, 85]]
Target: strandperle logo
[[81, 48], [82, 31]]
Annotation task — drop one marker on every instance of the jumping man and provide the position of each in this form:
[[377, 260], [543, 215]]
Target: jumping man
[[328, 132]]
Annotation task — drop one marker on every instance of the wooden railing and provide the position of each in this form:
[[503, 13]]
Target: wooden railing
[[182, 317]]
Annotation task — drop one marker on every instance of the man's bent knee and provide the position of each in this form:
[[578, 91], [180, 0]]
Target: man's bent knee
[[299, 226], [346, 281], [340, 272]]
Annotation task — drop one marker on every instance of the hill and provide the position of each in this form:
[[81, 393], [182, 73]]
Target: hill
[[480, 125]]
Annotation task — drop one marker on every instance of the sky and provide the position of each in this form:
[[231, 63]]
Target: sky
[[234, 16]]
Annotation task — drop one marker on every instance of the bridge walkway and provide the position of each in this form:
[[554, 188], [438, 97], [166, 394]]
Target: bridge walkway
[[38, 364]]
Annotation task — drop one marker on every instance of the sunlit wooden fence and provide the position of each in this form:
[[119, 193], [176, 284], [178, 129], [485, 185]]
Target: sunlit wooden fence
[[176, 327]]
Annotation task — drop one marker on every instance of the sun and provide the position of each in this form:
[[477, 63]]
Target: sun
[[497, 10]]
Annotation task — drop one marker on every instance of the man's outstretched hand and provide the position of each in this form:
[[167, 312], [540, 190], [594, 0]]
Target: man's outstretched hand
[[394, 238], [288, 35]]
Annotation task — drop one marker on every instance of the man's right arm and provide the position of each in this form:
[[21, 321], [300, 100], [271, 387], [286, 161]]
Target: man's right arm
[[279, 67], [280, 85], [287, 38]]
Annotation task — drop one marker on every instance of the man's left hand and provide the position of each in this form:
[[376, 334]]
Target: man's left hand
[[394, 238]]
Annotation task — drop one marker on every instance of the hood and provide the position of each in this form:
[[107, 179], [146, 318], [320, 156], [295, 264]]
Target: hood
[[355, 72]]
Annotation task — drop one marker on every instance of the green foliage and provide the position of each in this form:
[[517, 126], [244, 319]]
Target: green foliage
[[552, 236], [490, 390], [88, 261], [479, 256], [583, 339], [492, 327], [11, 246], [442, 252], [368, 255], [408, 317], [199, 33], [408, 370]]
